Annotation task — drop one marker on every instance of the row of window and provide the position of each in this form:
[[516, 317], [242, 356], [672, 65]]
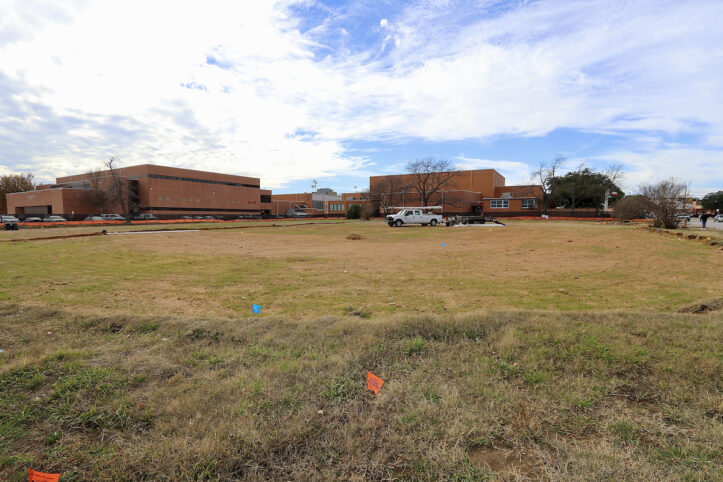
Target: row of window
[[197, 200], [336, 207], [505, 204], [204, 181]]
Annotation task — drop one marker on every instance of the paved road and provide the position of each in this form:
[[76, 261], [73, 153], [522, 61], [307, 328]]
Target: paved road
[[695, 223]]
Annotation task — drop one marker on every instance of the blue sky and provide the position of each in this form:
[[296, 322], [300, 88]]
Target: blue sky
[[294, 91]]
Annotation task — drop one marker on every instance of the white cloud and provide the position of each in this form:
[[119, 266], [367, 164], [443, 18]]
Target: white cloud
[[515, 173], [96, 78], [699, 168]]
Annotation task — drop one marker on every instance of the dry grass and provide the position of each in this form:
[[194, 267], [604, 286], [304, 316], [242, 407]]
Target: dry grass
[[550, 351], [521, 395], [310, 271]]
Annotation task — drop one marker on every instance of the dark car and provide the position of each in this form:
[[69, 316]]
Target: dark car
[[32, 220], [9, 223]]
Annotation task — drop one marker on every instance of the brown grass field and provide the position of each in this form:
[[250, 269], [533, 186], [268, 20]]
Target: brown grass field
[[556, 351]]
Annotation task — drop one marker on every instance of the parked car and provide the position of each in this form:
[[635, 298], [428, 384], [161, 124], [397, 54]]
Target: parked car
[[112, 217], [32, 219], [718, 218], [682, 217], [146, 217], [93, 218], [54, 219], [186, 217], [297, 213], [9, 223]]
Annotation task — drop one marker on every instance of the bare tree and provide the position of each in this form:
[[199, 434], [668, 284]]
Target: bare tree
[[631, 207], [430, 176], [98, 194], [662, 201], [386, 193], [14, 183], [547, 177], [118, 192]]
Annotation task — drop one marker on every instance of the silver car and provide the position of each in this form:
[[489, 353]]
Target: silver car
[[112, 217]]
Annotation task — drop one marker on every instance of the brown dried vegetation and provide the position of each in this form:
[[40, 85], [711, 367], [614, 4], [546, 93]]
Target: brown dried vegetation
[[518, 394], [150, 368]]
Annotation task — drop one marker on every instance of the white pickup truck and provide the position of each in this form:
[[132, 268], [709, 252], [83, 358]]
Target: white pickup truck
[[422, 216]]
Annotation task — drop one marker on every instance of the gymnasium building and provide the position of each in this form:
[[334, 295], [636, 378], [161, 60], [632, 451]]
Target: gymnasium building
[[166, 192]]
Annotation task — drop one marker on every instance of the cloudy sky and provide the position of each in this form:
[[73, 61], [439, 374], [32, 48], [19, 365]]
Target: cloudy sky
[[291, 91]]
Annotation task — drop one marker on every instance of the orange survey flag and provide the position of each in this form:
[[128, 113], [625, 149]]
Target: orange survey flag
[[374, 383], [35, 476]]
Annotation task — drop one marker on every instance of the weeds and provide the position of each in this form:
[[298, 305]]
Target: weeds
[[527, 395]]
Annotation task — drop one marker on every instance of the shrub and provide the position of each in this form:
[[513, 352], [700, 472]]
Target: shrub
[[354, 212], [630, 207], [662, 201]]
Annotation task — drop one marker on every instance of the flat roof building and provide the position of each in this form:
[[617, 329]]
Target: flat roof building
[[322, 202], [158, 190], [481, 190]]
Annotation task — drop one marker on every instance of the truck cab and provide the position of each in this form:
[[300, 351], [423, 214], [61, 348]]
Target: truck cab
[[420, 215]]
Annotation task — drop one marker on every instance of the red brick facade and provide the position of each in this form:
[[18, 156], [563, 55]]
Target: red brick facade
[[158, 190]]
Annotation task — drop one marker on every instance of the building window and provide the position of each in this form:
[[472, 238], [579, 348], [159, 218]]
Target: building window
[[317, 205], [336, 207], [529, 204], [499, 203], [205, 181], [265, 198]]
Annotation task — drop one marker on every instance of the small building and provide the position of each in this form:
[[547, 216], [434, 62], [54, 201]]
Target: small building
[[165, 192], [322, 202]]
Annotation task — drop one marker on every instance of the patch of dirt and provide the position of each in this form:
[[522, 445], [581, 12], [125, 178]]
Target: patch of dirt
[[715, 304], [354, 237], [635, 394], [503, 461]]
